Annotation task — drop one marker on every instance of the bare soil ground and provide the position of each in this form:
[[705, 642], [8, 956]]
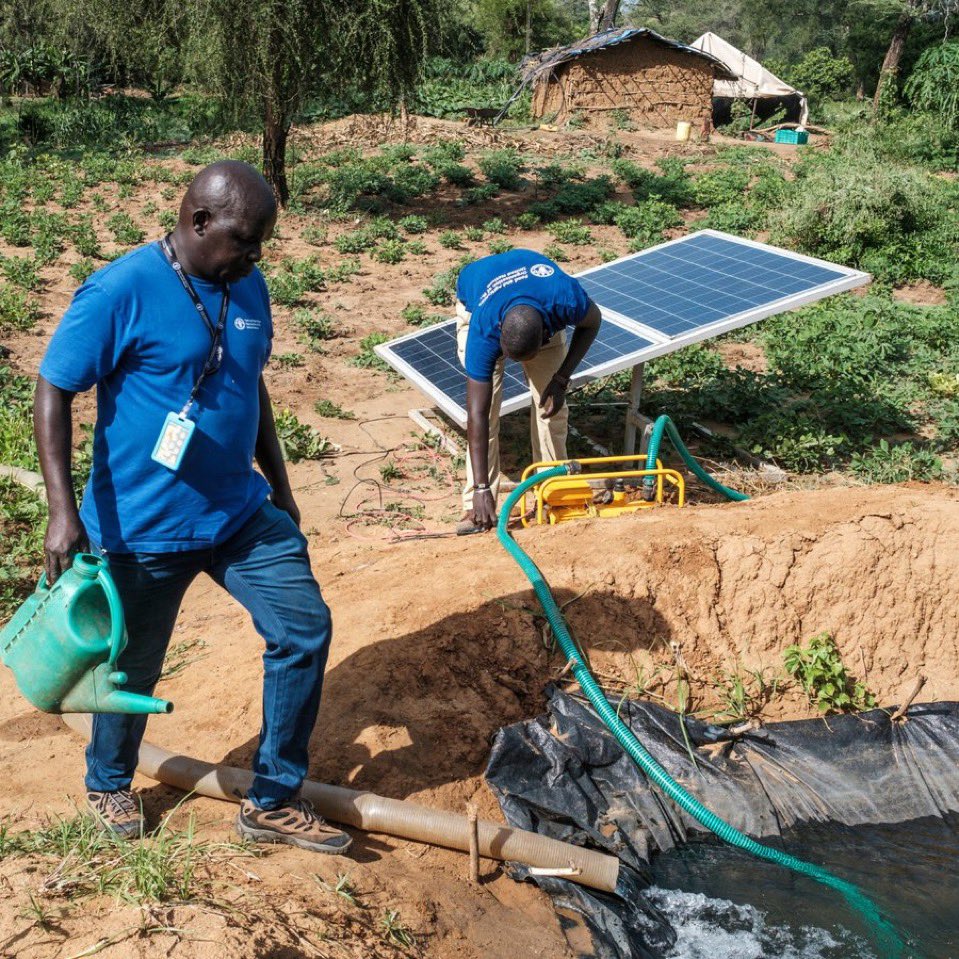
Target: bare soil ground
[[438, 644]]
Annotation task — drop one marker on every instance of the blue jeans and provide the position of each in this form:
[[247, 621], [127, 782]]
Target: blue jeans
[[265, 567]]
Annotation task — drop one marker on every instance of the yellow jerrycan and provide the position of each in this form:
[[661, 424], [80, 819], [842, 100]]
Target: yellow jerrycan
[[63, 644]]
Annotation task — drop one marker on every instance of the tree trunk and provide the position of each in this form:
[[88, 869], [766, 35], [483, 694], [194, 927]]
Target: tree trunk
[[607, 19], [890, 64], [275, 131], [594, 12]]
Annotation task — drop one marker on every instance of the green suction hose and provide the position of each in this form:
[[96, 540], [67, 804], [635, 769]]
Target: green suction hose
[[890, 943], [664, 425]]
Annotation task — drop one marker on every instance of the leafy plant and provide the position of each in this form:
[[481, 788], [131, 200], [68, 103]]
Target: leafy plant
[[80, 270], [390, 251], [124, 230], [819, 668], [414, 224], [367, 358], [573, 232], [313, 326], [18, 312], [896, 463], [331, 410], [450, 240], [288, 361], [503, 167], [933, 85], [299, 441]]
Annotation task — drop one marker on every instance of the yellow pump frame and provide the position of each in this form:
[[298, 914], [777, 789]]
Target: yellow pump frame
[[570, 497]]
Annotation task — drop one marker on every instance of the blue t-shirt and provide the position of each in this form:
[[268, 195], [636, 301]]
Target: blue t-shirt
[[132, 331], [491, 286]]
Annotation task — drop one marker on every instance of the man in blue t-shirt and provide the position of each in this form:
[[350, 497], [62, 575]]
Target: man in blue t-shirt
[[517, 305], [175, 336]]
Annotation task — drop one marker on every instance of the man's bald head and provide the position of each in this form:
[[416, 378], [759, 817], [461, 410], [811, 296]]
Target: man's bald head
[[521, 333], [227, 213], [228, 186]]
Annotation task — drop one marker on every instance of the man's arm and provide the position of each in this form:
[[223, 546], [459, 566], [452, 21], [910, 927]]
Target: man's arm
[[479, 396], [52, 427], [584, 333], [270, 457]]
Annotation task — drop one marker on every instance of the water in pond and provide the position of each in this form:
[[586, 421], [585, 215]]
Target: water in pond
[[725, 904]]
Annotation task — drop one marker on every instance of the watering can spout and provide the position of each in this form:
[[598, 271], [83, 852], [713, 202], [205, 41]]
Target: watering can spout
[[120, 701]]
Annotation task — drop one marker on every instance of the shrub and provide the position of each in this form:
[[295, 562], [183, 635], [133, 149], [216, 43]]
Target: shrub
[[855, 209], [725, 185], [646, 222], [415, 224], [313, 326], [21, 271], [500, 244], [81, 270], [390, 251], [450, 240], [822, 75], [124, 230], [555, 252], [572, 232], [503, 167], [527, 221], [85, 238], [896, 463], [494, 225], [673, 186], [355, 241], [18, 312], [933, 85]]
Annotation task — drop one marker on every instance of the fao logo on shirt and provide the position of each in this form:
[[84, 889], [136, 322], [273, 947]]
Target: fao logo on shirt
[[542, 270], [247, 323]]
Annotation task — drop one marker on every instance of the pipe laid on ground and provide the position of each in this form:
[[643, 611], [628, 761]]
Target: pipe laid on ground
[[372, 813]]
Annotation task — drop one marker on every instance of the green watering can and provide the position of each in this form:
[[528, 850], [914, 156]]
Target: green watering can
[[64, 642]]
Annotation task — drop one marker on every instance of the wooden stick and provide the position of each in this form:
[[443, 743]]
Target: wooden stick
[[471, 818], [900, 713]]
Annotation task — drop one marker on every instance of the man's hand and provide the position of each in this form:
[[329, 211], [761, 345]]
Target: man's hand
[[65, 537], [484, 509], [554, 396], [285, 502]]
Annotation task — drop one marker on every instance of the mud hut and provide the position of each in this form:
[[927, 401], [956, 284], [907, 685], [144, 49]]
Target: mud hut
[[632, 71]]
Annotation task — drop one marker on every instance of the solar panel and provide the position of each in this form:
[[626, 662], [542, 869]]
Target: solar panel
[[653, 302], [709, 282], [428, 358]]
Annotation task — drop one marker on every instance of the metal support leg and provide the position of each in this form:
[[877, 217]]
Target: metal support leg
[[633, 418]]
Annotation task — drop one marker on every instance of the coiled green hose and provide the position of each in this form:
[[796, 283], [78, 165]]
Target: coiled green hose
[[664, 425], [890, 944]]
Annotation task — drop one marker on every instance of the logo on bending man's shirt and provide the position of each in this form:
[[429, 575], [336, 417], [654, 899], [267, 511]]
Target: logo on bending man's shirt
[[541, 270], [247, 322]]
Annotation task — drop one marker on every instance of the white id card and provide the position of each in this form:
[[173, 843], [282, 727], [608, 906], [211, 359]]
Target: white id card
[[173, 441]]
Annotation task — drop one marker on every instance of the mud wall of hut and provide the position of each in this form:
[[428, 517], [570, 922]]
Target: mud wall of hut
[[656, 85]]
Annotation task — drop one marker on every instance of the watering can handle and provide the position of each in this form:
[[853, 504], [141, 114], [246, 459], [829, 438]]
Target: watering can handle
[[117, 628]]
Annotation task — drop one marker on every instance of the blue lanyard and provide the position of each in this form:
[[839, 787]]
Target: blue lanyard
[[215, 357]]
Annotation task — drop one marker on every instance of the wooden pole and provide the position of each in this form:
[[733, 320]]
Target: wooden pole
[[471, 819]]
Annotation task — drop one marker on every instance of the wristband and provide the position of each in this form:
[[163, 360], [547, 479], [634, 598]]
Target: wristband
[[480, 487]]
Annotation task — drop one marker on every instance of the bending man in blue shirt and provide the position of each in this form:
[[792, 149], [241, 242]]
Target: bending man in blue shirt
[[517, 305], [181, 330]]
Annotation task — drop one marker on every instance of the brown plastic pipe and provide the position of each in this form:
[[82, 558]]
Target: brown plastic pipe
[[393, 817]]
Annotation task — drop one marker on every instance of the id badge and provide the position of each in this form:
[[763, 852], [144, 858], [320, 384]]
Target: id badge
[[173, 440]]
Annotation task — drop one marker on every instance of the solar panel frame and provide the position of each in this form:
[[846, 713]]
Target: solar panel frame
[[456, 412], [660, 343]]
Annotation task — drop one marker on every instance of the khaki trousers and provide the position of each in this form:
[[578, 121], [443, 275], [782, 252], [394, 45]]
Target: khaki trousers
[[547, 436]]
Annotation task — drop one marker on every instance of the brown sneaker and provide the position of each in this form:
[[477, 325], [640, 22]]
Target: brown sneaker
[[118, 812], [296, 824]]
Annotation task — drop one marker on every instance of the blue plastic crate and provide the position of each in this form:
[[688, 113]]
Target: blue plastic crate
[[798, 137]]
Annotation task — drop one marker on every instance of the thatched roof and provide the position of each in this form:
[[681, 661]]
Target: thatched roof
[[538, 64]]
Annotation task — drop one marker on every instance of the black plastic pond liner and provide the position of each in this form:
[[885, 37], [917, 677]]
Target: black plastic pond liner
[[565, 776]]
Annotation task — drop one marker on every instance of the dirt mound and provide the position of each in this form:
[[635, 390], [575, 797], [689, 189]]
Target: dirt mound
[[440, 643]]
